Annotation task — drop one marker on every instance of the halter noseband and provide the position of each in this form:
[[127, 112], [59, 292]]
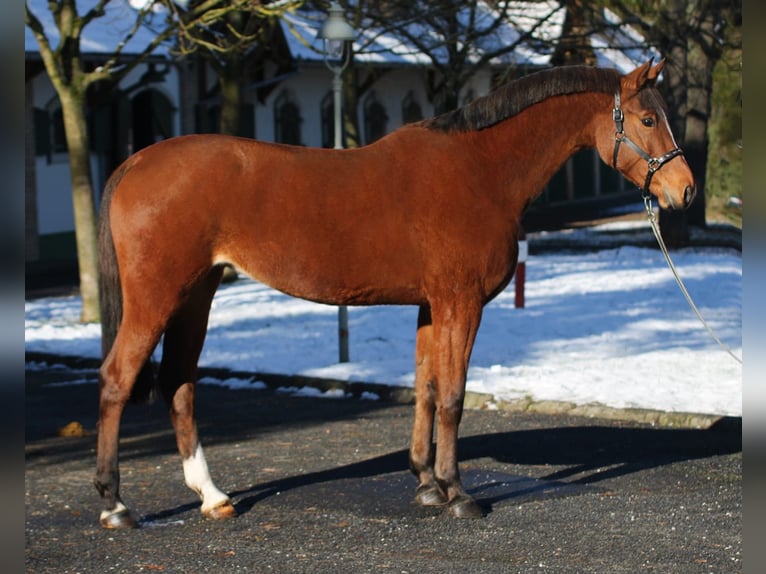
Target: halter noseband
[[655, 163]]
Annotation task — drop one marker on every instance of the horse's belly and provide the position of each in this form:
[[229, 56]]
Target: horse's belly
[[334, 280]]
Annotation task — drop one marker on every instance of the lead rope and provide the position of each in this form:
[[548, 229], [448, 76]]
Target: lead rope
[[656, 230]]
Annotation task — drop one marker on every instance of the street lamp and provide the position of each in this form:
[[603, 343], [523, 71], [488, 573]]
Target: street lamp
[[336, 35]]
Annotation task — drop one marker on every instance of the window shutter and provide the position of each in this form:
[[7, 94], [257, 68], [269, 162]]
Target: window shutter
[[247, 120], [42, 133]]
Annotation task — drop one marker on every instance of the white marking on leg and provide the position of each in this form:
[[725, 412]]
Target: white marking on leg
[[119, 507], [198, 479]]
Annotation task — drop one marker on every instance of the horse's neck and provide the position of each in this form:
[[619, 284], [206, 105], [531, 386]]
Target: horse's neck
[[531, 146]]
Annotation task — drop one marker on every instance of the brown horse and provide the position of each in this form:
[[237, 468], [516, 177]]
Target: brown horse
[[426, 216]]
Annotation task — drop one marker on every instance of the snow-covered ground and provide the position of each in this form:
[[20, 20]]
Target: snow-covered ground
[[608, 327]]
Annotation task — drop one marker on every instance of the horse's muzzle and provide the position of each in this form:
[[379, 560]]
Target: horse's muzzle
[[686, 200]]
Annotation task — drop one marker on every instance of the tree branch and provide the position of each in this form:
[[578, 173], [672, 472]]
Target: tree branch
[[46, 51], [113, 70]]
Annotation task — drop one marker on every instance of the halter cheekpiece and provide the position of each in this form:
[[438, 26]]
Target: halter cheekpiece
[[654, 163]]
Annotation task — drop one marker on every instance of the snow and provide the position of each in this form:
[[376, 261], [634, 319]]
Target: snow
[[605, 327]]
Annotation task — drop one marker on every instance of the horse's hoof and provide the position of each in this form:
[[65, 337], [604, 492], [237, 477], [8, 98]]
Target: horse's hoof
[[465, 507], [221, 511], [118, 519], [430, 495]]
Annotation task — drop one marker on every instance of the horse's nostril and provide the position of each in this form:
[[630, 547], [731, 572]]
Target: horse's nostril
[[688, 195]]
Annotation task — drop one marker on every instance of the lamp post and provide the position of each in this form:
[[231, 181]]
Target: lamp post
[[336, 35]]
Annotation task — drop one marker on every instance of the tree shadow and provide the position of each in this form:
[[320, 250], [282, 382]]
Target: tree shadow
[[591, 454], [222, 415]]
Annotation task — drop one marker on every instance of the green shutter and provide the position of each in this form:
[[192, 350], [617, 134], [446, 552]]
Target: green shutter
[[247, 120], [42, 133]]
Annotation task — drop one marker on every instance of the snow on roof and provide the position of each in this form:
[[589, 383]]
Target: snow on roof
[[542, 21], [633, 47], [100, 36]]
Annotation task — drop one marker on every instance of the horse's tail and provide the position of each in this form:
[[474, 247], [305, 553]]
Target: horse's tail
[[110, 293]]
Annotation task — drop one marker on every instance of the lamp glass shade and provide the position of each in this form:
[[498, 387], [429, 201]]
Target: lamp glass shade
[[336, 27]]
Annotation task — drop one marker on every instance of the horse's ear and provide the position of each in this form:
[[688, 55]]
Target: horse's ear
[[643, 75], [654, 72]]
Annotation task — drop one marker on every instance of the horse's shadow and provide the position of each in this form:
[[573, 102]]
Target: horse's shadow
[[579, 459]]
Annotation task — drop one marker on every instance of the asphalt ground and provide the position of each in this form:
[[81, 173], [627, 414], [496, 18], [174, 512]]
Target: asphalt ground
[[322, 485]]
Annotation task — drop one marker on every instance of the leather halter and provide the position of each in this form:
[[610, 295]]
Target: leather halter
[[654, 163]]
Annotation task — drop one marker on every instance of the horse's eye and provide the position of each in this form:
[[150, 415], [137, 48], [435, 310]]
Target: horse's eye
[[648, 122]]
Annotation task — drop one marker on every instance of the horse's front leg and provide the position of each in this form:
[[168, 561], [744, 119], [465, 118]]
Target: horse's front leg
[[215, 504], [429, 493], [455, 325], [184, 338]]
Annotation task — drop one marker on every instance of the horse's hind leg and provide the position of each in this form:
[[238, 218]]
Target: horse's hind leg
[[428, 493], [181, 348], [132, 348]]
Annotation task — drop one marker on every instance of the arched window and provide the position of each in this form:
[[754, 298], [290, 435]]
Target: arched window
[[411, 110], [287, 120], [375, 119]]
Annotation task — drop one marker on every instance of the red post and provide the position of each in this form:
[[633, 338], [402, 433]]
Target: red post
[[521, 269]]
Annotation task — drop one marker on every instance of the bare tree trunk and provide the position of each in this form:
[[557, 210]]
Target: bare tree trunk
[[674, 226], [574, 46], [349, 109], [231, 97], [72, 107], [700, 64]]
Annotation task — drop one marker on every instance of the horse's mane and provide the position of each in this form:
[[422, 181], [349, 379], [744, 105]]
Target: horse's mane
[[514, 97]]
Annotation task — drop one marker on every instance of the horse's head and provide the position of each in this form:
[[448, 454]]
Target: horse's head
[[640, 143]]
